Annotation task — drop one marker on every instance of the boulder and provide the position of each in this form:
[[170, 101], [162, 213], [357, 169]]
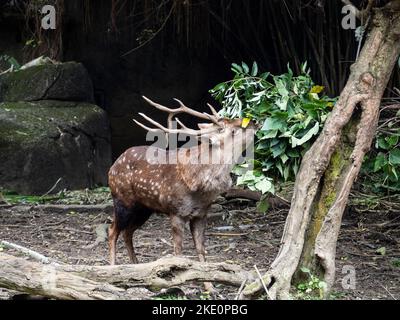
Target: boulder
[[68, 81], [43, 141]]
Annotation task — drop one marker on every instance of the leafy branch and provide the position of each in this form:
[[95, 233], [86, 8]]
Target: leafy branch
[[291, 112]]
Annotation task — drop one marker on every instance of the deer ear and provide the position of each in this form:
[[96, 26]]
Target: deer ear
[[204, 125]]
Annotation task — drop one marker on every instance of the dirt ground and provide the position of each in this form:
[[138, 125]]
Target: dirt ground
[[368, 243]]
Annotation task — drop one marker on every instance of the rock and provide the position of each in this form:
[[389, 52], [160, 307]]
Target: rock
[[43, 141], [65, 81]]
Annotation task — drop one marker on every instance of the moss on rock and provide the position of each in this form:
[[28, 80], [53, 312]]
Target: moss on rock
[[65, 81], [43, 141]]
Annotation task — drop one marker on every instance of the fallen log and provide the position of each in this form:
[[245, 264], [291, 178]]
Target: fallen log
[[111, 282], [274, 200], [45, 280], [163, 273]]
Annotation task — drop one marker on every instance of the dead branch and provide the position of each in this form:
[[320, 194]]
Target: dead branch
[[274, 201], [242, 193], [111, 282], [65, 208], [33, 254]]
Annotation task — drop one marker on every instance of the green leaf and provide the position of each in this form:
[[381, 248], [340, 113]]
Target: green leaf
[[14, 63], [304, 67], [286, 173], [278, 149], [293, 153], [396, 263], [254, 69], [392, 140], [284, 158], [381, 143], [262, 205], [218, 87], [394, 174], [270, 134], [264, 75], [245, 67], [380, 161], [295, 167], [313, 131], [264, 186], [381, 251], [236, 68], [279, 167], [305, 270], [273, 124], [282, 103], [394, 156], [282, 90], [247, 177]]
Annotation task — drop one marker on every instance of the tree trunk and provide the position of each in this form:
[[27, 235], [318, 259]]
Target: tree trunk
[[61, 281], [330, 167]]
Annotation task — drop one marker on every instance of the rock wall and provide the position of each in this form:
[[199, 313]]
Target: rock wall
[[49, 129]]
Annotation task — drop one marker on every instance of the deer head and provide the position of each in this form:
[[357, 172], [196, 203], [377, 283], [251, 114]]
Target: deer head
[[222, 140]]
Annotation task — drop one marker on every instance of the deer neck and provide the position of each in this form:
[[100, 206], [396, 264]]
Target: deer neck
[[203, 173]]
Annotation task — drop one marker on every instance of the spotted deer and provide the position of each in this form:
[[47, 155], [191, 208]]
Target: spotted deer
[[183, 189]]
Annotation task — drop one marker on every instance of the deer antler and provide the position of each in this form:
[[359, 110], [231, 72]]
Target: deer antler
[[160, 127], [173, 112], [184, 109]]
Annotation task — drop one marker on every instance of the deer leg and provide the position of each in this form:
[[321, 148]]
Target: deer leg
[[139, 214], [120, 222], [113, 233], [197, 228], [128, 233], [178, 228]]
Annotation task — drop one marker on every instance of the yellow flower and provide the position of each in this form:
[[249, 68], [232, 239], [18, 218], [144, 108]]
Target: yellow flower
[[317, 89]]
